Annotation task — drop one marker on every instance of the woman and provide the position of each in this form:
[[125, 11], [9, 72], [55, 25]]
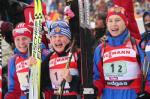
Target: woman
[[118, 61]]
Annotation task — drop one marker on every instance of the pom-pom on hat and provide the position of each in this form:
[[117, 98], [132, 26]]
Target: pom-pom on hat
[[60, 27], [117, 10], [23, 29]]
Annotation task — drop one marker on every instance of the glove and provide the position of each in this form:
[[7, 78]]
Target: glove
[[144, 95], [68, 12]]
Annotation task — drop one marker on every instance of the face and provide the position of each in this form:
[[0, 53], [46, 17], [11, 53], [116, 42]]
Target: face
[[21, 43], [59, 42], [115, 25], [147, 20], [99, 23]]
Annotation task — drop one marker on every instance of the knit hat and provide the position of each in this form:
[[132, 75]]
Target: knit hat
[[60, 27], [23, 29], [120, 11]]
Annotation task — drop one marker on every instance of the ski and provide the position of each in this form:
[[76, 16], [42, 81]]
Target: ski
[[80, 28], [35, 70], [86, 46]]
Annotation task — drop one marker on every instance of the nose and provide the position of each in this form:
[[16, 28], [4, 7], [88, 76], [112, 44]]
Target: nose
[[21, 42], [114, 22], [57, 38]]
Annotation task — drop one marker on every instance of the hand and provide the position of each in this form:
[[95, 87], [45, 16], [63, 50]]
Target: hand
[[58, 91], [98, 97], [66, 75], [144, 95], [68, 12], [103, 39], [31, 61]]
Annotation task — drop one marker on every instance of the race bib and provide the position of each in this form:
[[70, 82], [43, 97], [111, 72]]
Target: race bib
[[56, 76], [23, 80], [121, 70], [22, 70], [117, 68]]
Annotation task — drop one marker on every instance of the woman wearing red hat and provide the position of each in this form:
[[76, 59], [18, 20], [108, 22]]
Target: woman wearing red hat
[[18, 65], [118, 60]]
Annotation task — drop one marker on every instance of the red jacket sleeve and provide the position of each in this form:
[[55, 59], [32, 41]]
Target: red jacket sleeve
[[12, 95]]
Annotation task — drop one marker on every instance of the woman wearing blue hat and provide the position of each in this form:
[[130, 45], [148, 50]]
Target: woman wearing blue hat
[[55, 69]]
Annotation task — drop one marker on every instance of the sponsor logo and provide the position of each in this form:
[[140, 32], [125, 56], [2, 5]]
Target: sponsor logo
[[58, 61], [119, 53], [117, 83]]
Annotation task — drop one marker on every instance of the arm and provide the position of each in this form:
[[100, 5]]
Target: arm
[[147, 51], [75, 84], [98, 76], [145, 88], [14, 91], [45, 79]]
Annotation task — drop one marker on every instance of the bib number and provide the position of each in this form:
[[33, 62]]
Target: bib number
[[116, 68], [56, 77]]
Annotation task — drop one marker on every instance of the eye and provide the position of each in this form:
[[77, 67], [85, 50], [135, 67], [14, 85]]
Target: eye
[[24, 38], [61, 36], [117, 20], [109, 20], [17, 39], [53, 37]]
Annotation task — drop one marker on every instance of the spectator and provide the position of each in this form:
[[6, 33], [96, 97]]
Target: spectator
[[146, 35]]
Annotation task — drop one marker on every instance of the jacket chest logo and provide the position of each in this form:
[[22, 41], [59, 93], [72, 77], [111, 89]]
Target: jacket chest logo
[[119, 53], [58, 61]]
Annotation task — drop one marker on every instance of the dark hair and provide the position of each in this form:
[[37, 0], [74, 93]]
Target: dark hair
[[145, 14]]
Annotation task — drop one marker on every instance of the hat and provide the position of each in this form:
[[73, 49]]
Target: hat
[[23, 29], [60, 27], [120, 11], [29, 12]]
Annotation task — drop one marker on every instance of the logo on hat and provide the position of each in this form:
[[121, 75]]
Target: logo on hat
[[57, 29], [117, 9]]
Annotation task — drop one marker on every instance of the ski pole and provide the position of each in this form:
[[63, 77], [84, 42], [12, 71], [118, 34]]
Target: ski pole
[[61, 89]]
